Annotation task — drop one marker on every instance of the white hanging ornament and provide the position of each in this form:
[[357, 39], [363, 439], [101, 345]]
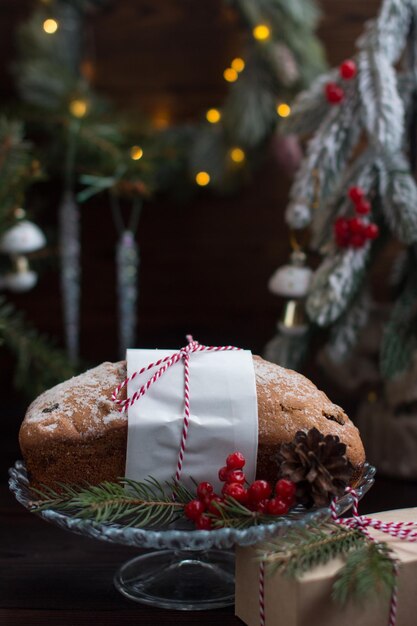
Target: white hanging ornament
[[22, 278], [293, 320], [22, 238], [292, 280], [298, 215]]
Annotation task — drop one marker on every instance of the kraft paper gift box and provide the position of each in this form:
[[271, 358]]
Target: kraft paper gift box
[[307, 601]]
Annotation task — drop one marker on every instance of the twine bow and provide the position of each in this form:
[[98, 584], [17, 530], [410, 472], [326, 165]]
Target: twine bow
[[165, 364], [406, 531]]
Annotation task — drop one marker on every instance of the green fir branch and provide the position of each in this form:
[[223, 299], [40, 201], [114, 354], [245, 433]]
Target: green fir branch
[[303, 549], [39, 364], [369, 571], [132, 503], [335, 283], [399, 341], [369, 566], [147, 503]]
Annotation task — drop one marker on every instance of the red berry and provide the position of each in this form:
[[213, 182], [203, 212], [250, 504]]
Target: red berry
[[236, 476], [262, 506], [341, 226], [334, 93], [363, 207], [285, 489], [236, 491], [236, 460], [342, 232], [348, 69], [276, 506], [223, 472], [356, 194], [343, 241], [356, 226], [358, 240], [259, 490], [215, 506], [204, 490], [194, 509], [371, 231], [203, 522]]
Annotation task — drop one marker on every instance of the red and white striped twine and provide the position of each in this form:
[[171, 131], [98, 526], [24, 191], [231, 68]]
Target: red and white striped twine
[[406, 531], [262, 593], [166, 363]]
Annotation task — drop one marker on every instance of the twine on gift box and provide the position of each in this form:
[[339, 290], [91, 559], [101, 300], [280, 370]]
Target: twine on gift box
[[262, 594], [406, 531], [166, 363]]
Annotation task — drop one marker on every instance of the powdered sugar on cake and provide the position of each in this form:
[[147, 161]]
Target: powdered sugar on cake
[[287, 383], [83, 402], [292, 402]]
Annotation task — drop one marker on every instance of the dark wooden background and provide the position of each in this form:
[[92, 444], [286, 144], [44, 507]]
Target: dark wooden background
[[166, 57]]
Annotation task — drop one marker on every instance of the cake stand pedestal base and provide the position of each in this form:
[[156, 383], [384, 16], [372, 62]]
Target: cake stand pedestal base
[[184, 580]]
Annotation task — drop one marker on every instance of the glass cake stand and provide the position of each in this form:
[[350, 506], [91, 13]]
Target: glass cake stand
[[185, 569]]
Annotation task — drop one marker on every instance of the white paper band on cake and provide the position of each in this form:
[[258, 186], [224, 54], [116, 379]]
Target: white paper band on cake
[[223, 416]]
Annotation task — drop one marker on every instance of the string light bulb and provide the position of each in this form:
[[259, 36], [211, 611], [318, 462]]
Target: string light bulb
[[261, 32], [230, 75], [78, 108], [50, 26], [213, 116], [202, 179], [237, 155], [136, 153], [238, 64], [283, 109]]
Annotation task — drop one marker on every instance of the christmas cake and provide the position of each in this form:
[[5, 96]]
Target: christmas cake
[[74, 432]]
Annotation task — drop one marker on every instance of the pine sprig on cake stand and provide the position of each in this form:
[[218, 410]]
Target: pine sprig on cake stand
[[132, 503], [139, 504]]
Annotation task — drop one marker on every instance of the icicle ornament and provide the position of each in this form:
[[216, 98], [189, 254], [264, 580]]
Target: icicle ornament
[[127, 262], [70, 249]]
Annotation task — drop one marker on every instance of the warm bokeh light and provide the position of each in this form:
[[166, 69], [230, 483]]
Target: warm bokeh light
[[261, 32], [202, 179], [237, 155], [136, 153], [213, 116], [50, 26], [78, 108], [230, 75], [284, 109], [238, 64], [161, 117]]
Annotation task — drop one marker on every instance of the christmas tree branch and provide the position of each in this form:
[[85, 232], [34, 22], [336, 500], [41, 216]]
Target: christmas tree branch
[[39, 364], [369, 566], [301, 550], [370, 569], [148, 503]]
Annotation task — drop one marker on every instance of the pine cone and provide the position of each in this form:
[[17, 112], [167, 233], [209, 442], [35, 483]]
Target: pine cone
[[317, 464]]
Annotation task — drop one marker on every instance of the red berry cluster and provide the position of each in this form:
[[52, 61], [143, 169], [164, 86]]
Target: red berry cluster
[[333, 91], [255, 497], [354, 232]]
